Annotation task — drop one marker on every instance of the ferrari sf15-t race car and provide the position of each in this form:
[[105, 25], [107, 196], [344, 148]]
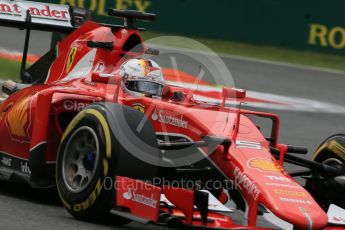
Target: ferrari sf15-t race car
[[70, 123]]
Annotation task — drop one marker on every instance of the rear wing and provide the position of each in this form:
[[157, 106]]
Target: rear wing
[[30, 15], [36, 16]]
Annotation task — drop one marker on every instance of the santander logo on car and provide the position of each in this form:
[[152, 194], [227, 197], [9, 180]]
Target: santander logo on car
[[39, 11], [170, 118], [132, 194]]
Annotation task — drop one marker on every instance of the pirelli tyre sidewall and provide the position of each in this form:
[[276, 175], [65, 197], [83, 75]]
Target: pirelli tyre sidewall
[[95, 201], [332, 147], [330, 152]]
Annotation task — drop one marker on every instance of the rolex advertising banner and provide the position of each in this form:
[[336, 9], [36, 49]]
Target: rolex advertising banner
[[301, 24]]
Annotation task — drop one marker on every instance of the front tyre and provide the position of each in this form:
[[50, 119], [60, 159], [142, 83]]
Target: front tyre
[[325, 189], [83, 165], [91, 156]]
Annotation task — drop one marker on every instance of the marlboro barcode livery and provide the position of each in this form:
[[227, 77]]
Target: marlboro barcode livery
[[96, 118]]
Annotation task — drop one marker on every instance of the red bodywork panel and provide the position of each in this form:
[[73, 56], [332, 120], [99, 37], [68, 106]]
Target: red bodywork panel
[[37, 115], [140, 198]]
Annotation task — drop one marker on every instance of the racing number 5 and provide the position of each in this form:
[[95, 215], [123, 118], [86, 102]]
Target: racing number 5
[[248, 145]]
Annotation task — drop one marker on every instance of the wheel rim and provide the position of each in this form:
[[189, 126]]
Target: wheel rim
[[80, 159]]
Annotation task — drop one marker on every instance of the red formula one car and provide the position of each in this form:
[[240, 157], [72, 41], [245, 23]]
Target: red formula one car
[[165, 158]]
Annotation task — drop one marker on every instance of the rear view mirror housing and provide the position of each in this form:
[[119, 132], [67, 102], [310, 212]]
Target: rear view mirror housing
[[233, 93], [173, 92], [105, 78]]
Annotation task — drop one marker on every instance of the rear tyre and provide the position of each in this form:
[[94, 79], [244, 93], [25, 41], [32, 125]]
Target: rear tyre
[[91, 156], [325, 189]]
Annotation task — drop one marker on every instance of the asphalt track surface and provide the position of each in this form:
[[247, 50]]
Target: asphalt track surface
[[23, 208]]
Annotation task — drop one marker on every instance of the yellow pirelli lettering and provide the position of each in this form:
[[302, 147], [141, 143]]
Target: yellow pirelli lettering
[[105, 126], [337, 149], [105, 167], [334, 146], [90, 200]]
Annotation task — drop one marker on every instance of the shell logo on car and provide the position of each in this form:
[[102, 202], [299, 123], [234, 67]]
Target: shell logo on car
[[17, 119], [264, 165]]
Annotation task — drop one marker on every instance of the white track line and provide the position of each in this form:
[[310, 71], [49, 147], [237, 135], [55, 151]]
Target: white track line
[[286, 103], [249, 59]]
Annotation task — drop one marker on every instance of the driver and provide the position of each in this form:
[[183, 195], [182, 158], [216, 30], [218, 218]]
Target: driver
[[142, 76]]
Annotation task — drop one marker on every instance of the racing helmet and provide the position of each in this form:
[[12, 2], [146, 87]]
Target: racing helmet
[[142, 76]]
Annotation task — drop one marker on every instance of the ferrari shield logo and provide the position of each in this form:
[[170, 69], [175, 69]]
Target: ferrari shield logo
[[139, 107], [70, 58]]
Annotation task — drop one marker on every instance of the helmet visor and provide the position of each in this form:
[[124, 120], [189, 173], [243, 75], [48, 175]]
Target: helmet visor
[[146, 87]]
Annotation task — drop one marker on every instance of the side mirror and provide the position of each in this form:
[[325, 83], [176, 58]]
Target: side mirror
[[233, 93], [103, 45], [101, 78], [105, 78], [167, 92], [171, 92]]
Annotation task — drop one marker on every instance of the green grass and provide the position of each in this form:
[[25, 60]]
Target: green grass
[[267, 52], [10, 69]]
